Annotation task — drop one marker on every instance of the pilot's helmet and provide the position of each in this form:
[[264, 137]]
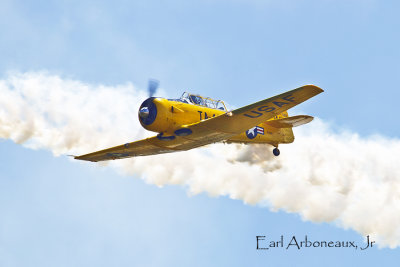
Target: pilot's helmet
[[196, 99]]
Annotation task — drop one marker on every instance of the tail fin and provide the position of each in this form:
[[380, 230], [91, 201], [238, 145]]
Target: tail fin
[[281, 116]]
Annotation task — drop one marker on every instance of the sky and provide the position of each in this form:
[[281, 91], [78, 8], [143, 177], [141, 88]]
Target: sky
[[59, 212]]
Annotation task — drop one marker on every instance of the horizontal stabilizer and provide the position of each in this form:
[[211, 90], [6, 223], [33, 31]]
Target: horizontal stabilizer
[[290, 122]]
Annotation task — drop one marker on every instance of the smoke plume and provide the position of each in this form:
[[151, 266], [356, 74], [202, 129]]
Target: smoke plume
[[325, 176]]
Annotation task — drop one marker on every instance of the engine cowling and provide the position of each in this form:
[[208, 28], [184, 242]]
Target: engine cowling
[[154, 114]]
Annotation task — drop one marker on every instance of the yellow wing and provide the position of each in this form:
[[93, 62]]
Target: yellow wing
[[211, 130]]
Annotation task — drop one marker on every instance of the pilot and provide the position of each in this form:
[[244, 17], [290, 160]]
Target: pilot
[[196, 100]]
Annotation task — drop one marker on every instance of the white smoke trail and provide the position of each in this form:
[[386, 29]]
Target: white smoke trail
[[324, 176]]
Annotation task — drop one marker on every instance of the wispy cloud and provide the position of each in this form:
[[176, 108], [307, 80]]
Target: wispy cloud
[[325, 176]]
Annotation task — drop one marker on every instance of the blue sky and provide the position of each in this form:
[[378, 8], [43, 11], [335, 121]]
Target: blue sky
[[56, 212]]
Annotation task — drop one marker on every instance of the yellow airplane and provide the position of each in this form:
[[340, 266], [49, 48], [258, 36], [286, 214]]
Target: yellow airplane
[[193, 121]]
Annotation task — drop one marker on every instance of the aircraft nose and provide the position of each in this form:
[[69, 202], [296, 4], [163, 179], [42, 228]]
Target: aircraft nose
[[144, 112], [148, 111]]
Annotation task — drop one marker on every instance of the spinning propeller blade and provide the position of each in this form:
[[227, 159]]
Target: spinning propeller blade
[[153, 85]]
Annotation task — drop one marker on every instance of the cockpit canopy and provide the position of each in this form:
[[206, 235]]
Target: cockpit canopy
[[201, 101]]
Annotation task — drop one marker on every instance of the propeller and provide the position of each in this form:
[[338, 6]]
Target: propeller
[[147, 105], [153, 85]]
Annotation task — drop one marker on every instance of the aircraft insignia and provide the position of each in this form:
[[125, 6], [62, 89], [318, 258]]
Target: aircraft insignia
[[252, 133]]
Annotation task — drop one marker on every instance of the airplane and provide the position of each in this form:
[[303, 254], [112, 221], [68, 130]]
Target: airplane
[[193, 121]]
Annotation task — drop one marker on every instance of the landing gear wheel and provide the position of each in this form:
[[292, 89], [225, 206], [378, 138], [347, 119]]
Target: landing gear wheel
[[276, 151]]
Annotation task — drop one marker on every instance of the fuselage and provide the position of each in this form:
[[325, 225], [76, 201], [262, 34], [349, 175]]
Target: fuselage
[[167, 116]]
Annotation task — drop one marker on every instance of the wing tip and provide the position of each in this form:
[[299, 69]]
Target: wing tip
[[78, 157], [317, 88], [83, 158]]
